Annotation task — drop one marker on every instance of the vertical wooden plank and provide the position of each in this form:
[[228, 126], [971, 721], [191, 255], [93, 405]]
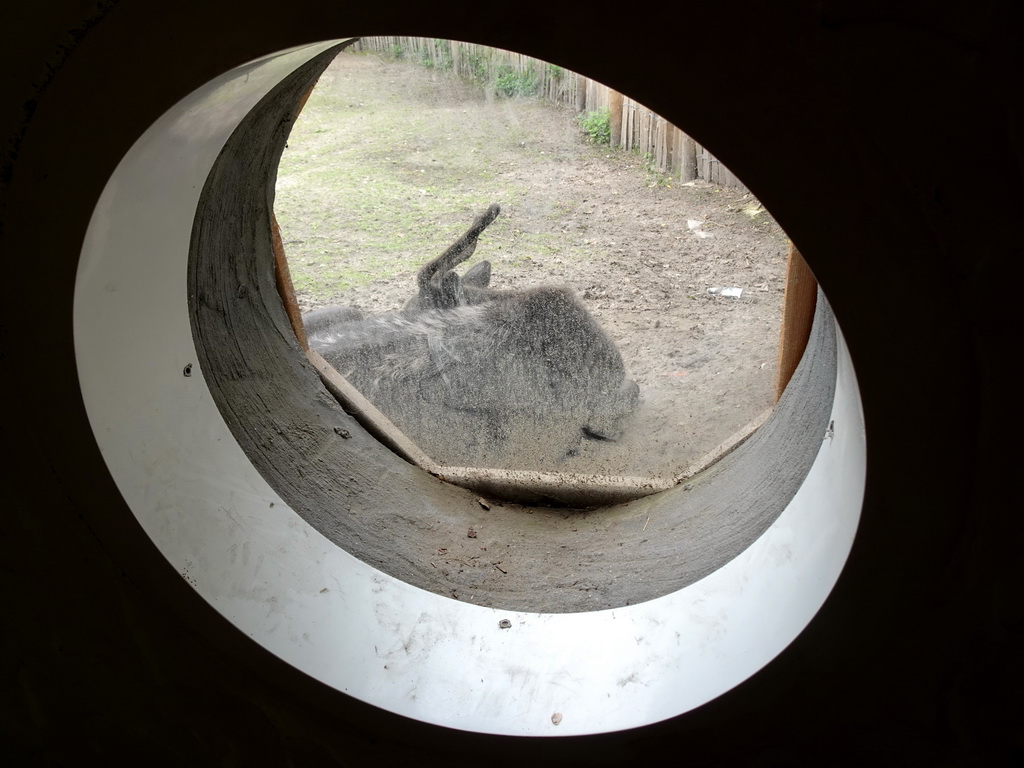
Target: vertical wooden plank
[[664, 145], [635, 117], [634, 130], [644, 131], [673, 157], [798, 306], [675, 145], [657, 135], [652, 137], [632, 125], [688, 160], [627, 123]]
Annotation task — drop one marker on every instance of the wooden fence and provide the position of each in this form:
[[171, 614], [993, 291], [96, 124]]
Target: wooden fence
[[632, 125]]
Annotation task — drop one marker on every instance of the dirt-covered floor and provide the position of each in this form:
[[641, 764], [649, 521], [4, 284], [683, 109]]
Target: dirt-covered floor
[[390, 162]]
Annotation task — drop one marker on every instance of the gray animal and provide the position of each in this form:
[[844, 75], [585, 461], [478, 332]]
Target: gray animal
[[477, 376]]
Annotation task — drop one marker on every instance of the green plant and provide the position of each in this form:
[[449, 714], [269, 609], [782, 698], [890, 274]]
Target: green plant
[[597, 126], [510, 83], [477, 66]]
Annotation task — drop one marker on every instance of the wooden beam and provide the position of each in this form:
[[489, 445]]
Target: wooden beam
[[366, 413], [797, 315], [284, 284]]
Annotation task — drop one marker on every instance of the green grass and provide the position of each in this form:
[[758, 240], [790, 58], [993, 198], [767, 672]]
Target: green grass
[[372, 185]]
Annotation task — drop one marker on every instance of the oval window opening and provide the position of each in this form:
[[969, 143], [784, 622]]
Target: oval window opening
[[522, 281], [381, 580]]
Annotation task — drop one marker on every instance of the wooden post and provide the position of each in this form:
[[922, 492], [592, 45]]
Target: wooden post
[[615, 116], [797, 315]]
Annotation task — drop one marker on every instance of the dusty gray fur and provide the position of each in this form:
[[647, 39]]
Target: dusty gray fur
[[322, 319]]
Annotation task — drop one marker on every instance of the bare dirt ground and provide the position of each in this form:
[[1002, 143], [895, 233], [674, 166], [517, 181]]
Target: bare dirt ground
[[390, 162]]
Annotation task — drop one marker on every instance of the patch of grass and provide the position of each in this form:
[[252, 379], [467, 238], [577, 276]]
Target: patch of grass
[[372, 184]]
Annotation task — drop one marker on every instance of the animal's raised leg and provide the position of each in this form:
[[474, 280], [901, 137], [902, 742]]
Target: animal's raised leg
[[457, 252]]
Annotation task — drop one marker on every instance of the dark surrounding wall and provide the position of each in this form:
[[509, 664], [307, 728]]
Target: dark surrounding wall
[[914, 660]]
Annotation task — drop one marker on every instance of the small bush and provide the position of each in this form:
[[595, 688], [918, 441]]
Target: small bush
[[597, 126], [477, 66], [510, 83]]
